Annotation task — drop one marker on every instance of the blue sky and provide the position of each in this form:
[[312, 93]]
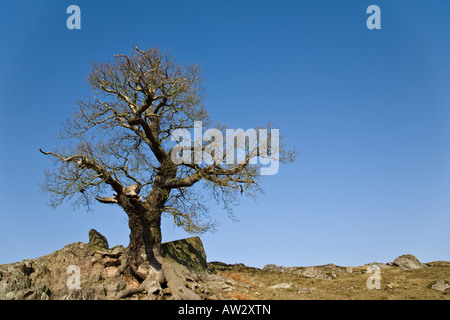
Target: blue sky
[[368, 110]]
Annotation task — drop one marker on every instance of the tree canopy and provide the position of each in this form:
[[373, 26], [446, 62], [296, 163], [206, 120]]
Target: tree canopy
[[121, 140]]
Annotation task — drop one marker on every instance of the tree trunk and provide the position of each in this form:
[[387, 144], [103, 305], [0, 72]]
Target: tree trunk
[[144, 250], [144, 221]]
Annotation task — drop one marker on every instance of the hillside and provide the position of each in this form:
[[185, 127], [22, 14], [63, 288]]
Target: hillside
[[93, 271]]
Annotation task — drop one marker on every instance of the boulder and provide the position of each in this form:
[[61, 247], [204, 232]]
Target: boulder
[[408, 262], [97, 240], [311, 272], [274, 268], [440, 285], [283, 285], [188, 252]]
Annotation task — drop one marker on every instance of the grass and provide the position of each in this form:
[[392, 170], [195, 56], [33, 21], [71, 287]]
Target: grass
[[396, 284]]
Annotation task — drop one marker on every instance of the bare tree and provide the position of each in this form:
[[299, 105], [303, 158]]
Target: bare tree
[[123, 147]]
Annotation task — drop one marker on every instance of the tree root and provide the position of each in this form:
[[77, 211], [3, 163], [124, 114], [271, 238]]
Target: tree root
[[129, 292], [172, 282], [153, 288]]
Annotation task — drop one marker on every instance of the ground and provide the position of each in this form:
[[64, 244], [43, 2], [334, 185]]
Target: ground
[[93, 271], [396, 284]]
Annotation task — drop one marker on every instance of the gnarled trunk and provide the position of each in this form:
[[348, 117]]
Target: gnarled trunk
[[144, 221], [144, 250]]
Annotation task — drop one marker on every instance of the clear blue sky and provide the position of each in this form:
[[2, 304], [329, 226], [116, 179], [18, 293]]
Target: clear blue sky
[[368, 109]]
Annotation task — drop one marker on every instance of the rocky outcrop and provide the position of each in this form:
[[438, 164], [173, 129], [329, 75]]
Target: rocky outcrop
[[60, 274], [439, 263], [92, 271], [325, 272]]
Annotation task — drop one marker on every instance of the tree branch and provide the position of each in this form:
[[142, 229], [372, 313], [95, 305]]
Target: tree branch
[[85, 163], [107, 200]]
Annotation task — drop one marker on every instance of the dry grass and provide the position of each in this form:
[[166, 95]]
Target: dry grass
[[238, 296], [396, 284], [237, 276]]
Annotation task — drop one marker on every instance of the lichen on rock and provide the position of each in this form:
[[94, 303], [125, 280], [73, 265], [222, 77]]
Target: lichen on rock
[[97, 240]]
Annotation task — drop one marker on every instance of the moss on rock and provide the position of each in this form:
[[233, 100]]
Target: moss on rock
[[188, 252]]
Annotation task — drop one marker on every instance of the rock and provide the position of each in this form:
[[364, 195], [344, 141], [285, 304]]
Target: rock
[[188, 252], [438, 264], [392, 285], [111, 262], [10, 295], [228, 289], [326, 272], [110, 272], [274, 267], [280, 286], [239, 266], [99, 289], [379, 264], [27, 267], [408, 262], [323, 277], [306, 290], [44, 296], [440, 285], [97, 240], [310, 272], [349, 270]]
